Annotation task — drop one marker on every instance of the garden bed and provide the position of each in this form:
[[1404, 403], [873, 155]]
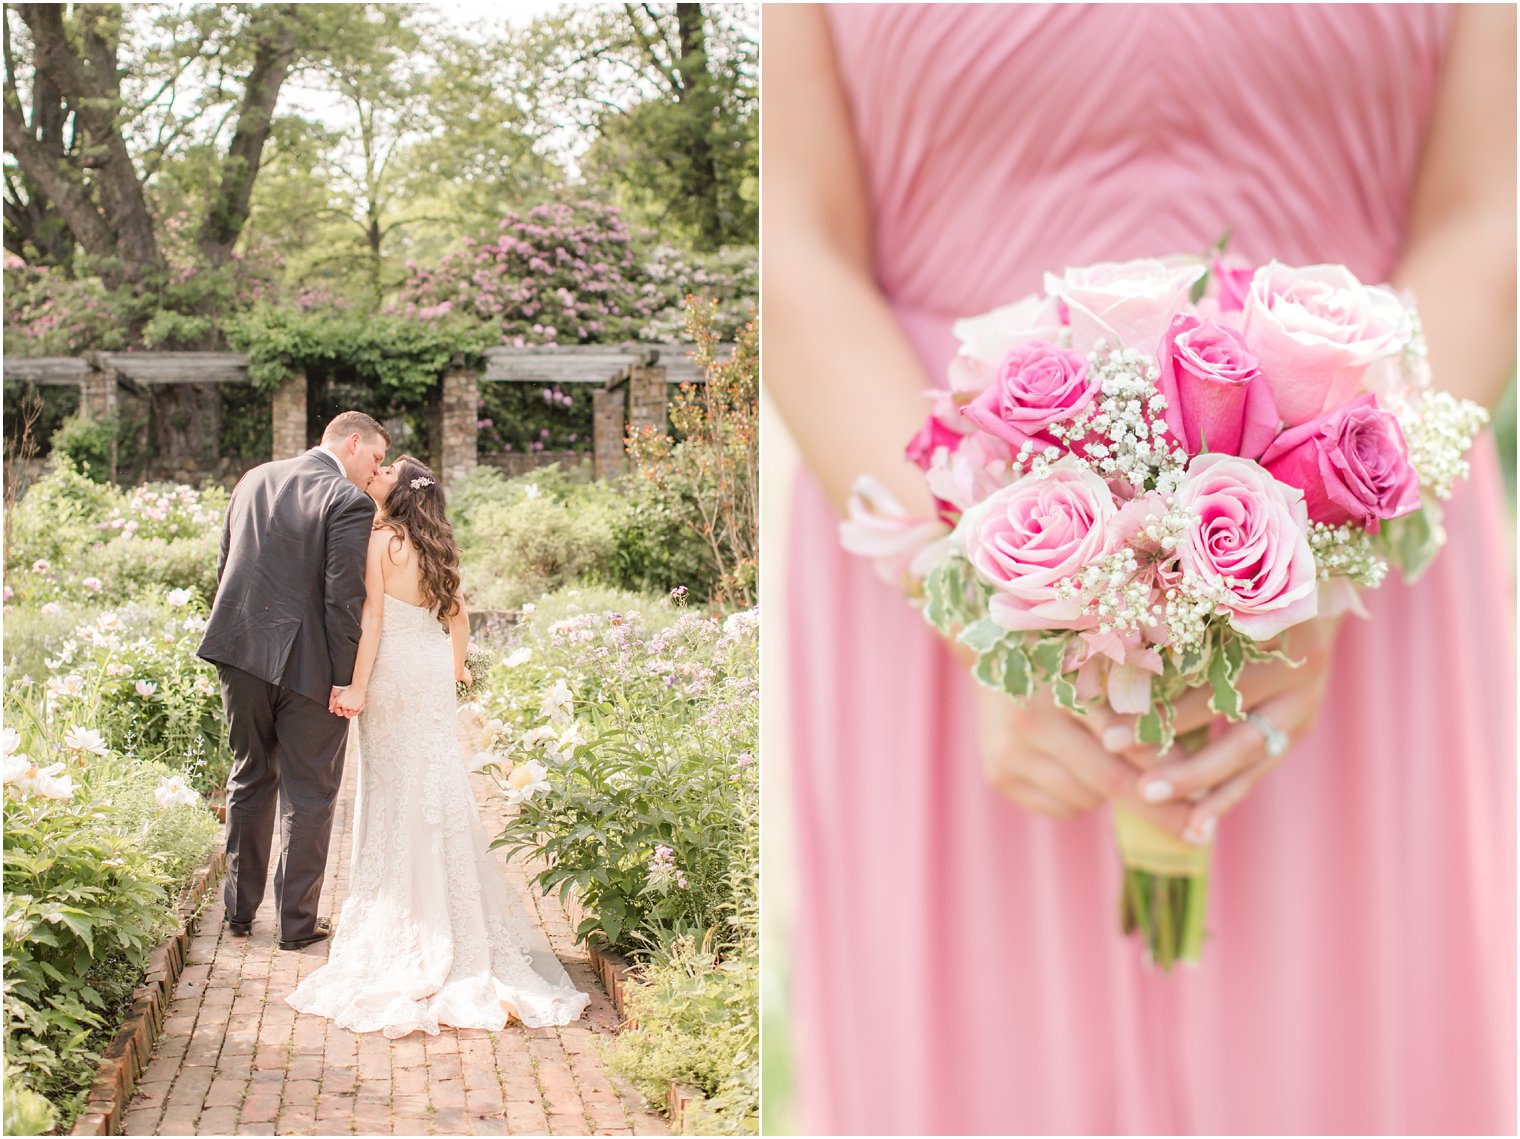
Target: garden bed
[[129, 1051]]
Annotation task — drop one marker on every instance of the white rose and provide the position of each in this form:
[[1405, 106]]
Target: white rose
[[990, 336]]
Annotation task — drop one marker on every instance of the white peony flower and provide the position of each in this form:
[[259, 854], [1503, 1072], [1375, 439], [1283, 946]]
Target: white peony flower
[[521, 656], [70, 685], [40, 566], [205, 686], [145, 688], [18, 768], [49, 782], [556, 703], [51, 607], [173, 792], [93, 584], [85, 739], [525, 780], [528, 609], [534, 737], [10, 740], [179, 597]]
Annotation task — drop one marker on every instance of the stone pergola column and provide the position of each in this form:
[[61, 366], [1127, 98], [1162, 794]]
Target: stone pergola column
[[648, 397], [289, 409], [98, 401], [461, 400], [609, 423]]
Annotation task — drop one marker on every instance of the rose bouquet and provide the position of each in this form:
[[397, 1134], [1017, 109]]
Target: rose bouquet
[[1152, 474]]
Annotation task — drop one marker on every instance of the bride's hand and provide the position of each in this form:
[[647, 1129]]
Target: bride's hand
[[1041, 757], [1218, 775], [350, 702], [465, 678]]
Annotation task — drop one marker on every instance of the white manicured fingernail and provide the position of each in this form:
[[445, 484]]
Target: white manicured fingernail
[[1117, 737], [1157, 791], [1202, 834]]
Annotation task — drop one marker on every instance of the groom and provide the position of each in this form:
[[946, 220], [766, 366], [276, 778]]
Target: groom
[[283, 633]]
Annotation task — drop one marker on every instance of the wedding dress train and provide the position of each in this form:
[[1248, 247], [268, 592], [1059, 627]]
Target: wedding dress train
[[429, 934]]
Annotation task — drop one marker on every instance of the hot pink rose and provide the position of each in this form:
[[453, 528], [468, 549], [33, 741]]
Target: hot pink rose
[[1127, 303], [1037, 384], [1251, 530], [1025, 538], [1216, 397], [1315, 331], [1352, 465], [931, 437]]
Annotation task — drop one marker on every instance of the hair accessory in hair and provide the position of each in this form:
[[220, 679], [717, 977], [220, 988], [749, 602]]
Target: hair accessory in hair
[[420, 482]]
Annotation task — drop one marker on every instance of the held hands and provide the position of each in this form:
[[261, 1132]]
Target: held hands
[[347, 702], [1063, 765]]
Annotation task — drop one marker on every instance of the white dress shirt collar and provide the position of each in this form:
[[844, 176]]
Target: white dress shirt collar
[[337, 462]]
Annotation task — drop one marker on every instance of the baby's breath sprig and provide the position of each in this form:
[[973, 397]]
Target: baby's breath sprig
[[1439, 429], [1190, 604], [1346, 551], [1108, 590], [1122, 433]]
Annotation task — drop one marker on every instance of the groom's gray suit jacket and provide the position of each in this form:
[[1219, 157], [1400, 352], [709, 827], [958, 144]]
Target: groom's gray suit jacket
[[290, 578]]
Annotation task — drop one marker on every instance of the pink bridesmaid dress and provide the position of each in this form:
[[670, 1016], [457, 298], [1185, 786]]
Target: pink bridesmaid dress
[[957, 967]]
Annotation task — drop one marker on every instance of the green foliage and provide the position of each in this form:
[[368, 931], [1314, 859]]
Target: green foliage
[[645, 720], [91, 879], [26, 1112], [697, 1015], [396, 356], [712, 469], [87, 443]]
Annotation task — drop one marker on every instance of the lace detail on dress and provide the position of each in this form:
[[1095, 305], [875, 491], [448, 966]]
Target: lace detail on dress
[[429, 934]]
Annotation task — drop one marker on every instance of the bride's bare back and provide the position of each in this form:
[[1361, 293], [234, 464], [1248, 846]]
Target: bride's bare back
[[399, 566]]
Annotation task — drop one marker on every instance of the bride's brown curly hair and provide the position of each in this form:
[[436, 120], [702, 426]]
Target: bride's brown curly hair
[[414, 509]]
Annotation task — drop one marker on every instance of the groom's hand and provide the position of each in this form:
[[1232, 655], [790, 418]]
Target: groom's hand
[[332, 700], [348, 702]]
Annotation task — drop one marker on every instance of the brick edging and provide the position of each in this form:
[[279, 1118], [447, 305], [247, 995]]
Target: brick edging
[[615, 972], [128, 1053]]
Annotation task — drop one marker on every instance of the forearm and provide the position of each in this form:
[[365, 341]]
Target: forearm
[[459, 638], [369, 647], [1462, 274], [840, 369]]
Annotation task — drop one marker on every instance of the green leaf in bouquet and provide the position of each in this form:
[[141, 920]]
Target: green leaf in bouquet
[[1157, 727], [1195, 661], [1414, 540], [1066, 695], [1224, 670], [982, 636], [1047, 656], [989, 669], [1018, 680], [938, 606], [1200, 287]]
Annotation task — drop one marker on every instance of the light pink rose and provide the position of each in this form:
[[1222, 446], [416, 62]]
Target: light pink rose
[[1127, 303], [1025, 538], [1232, 281], [960, 478], [1352, 465], [1316, 330], [1252, 530], [994, 334], [1216, 398], [1037, 385]]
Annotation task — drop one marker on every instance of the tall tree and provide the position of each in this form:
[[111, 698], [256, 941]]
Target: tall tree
[[73, 162]]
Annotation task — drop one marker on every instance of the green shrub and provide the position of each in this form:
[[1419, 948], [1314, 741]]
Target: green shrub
[[533, 543], [87, 442], [26, 1112], [92, 876], [647, 733], [697, 1024]]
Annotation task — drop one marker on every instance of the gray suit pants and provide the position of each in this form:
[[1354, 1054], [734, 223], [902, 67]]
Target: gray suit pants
[[288, 745]]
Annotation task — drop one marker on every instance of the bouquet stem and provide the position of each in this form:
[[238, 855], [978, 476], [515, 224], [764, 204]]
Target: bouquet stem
[[1166, 888]]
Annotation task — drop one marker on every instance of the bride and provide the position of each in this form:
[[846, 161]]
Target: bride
[[429, 934]]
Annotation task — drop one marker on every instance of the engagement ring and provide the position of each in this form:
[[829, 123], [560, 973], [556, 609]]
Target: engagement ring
[[1277, 739]]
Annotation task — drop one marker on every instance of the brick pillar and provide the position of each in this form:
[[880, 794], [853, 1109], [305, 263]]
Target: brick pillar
[[461, 398], [648, 397], [289, 408], [97, 401], [608, 424]]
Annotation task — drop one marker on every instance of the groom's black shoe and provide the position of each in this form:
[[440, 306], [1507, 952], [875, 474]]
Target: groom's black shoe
[[323, 932], [239, 928]]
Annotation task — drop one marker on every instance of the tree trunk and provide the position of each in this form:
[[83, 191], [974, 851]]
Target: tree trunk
[[272, 62], [696, 95]]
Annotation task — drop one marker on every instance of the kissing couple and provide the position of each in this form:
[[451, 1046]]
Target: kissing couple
[[339, 605]]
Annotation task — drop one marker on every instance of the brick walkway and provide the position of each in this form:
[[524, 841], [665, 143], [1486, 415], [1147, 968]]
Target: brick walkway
[[236, 1059]]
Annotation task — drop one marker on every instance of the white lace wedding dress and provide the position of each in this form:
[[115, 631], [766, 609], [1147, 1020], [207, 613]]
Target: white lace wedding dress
[[430, 933]]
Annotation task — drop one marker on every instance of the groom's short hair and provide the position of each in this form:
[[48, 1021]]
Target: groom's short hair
[[347, 422]]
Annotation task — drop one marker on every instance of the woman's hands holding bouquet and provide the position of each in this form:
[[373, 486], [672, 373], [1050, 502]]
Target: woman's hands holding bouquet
[[1059, 764]]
